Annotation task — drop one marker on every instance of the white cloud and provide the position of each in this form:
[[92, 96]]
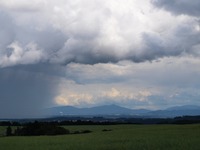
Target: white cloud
[[74, 99], [146, 84], [125, 95], [97, 94], [15, 54], [99, 31]]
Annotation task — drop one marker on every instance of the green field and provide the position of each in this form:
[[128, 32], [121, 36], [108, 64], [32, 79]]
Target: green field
[[122, 137]]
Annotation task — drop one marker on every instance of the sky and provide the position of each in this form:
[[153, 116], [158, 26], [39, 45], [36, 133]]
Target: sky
[[84, 53]]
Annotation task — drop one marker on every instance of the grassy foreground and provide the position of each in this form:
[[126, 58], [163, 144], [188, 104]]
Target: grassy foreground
[[122, 137]]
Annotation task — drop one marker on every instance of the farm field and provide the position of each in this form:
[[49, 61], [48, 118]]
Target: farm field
[[121, 137]]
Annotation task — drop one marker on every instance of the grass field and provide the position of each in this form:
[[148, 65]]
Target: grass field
[[122, 137]]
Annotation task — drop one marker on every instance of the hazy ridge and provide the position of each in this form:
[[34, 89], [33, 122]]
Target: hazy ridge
[[186, 110]]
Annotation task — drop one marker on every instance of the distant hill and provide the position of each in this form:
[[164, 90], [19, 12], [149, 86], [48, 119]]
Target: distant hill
[[185, 107], [115, 110], [186, 110], [94, 111]]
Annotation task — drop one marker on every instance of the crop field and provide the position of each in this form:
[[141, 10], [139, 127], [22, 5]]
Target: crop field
[[111, 137]]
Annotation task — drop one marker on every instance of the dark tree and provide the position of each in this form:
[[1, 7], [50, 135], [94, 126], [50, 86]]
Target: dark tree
[[8, 131], [40, 128], [17, 131]]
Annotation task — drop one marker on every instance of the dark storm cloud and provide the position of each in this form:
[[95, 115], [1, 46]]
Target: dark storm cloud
[[48, 39], [183, 41], [27, 44], [25, 93], [6, 29], [180, 6], [41, 35], [66, 51]]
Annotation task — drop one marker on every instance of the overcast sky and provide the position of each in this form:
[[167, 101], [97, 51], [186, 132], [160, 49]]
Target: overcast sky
[[133, 53]]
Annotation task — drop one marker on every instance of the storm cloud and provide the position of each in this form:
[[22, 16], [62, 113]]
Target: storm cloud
[[91, 32], [140, 54], [25, 93], [180, 7]]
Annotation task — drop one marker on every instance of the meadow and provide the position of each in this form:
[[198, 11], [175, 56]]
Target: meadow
[[121, 137]]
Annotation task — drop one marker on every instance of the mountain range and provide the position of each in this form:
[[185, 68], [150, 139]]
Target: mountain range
[[115, 110]]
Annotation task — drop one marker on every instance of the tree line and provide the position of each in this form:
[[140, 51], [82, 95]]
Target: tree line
[[40, 128]]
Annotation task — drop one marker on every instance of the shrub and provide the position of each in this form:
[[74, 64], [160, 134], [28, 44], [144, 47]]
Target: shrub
[[39, 128]]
